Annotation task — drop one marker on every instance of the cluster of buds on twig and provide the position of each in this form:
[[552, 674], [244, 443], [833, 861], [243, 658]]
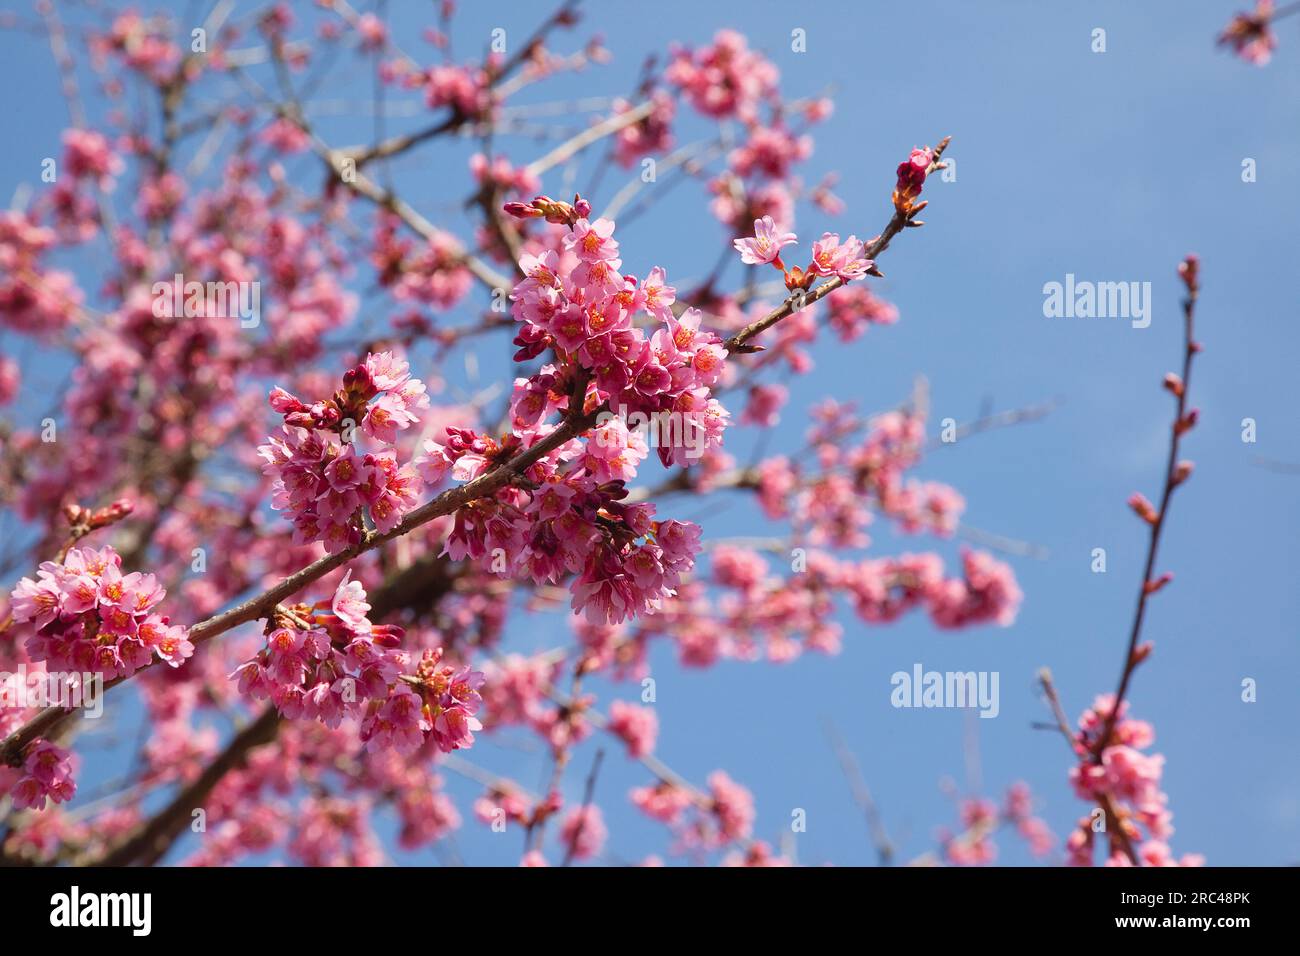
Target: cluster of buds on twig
[[911, 179], [349, 402], [552, 210], [84, 520]]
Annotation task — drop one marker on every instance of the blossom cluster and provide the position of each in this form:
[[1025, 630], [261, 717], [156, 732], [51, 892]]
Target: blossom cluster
[[1130, 780], [700, 821], [753, 612], [572, 522], [89, 617], [325, 485], [329, 662], [574, 299], [1250, 35], [725, 79], [831, 502], [981, 819], [46, 773], [830, 257], [32, 298]]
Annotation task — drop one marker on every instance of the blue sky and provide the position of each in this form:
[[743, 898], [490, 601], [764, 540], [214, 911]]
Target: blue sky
[[1110, 166]]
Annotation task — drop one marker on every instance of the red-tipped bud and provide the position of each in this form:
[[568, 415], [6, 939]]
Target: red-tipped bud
[[1151, 587], [1190, 269], [388, 635], [1143, 508], [1182, 471], [1174, 384], [1141, 653], [1188, 421], [522, 210], [283, 402], [912, 173], [560, 213], [357, 381]]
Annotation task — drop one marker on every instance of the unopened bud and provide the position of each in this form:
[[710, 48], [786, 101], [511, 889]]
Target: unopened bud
[[1143, 508], [1151, 587], [522, 210]]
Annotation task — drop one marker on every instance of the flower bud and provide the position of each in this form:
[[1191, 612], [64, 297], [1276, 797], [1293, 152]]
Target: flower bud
[[1143, 508]]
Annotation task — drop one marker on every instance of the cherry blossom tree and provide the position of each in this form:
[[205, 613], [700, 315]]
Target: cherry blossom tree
[[261, 514]]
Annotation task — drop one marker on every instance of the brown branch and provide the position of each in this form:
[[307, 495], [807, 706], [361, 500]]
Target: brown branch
[[588, 136], [11, 750], [586, 803], [147, 844], [1115, 830], [419, 586], [803, 298], [861, 795], [1172, 479]]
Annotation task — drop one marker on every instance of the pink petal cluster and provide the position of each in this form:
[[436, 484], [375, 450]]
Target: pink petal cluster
[[701, 822], [724, 79], [583, 831], [650, 135], [89, 617], [32, 298], [1130, 778], [766, 244], [340, 665], [323, 483], [912, 173], [623, 562], [834, 258], [636, 726], [854, 308], [576, 301], [87, 155], [46, 773]]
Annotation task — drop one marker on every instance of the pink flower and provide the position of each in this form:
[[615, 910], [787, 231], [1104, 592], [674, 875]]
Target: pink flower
[[765, 402], [635, 726], [659, 296], [433, 465], [592, 241], [583, 832], [766, 245], [912, 173], [174, 646], [453, 729], [846, 260], [47, 773], [350, 605], [733, 807]]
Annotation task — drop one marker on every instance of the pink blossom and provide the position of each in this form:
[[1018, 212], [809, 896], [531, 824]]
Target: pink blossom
[[766, 244], [583, 832], [635, 726]]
